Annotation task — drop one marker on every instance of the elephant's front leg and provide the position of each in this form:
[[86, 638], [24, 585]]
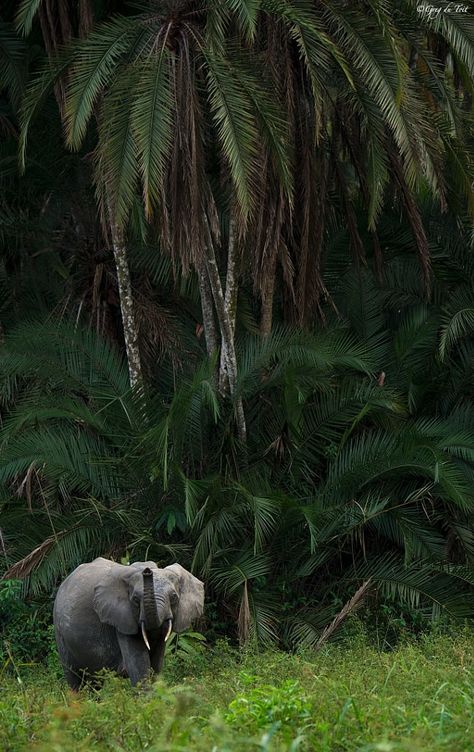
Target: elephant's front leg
[[135, 656], [157, 655]]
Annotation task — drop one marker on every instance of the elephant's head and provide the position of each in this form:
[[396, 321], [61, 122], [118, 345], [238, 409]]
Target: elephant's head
[[143, 597]]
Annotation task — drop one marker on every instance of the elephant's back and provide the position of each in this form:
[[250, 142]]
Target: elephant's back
[[79, 632], [75, 596]]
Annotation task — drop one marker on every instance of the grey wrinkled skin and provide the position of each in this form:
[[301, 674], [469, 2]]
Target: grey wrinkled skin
[[97, 615]]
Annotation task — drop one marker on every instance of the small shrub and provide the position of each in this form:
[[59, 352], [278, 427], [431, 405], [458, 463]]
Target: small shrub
[[189, 643], [285, 708], [25, 629], [189, 656]]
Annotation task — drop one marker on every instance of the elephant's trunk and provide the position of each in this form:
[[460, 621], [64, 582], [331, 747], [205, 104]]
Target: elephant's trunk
[[149, 602]]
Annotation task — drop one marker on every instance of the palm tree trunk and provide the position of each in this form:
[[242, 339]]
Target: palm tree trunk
[[207, 308], [227, 333], [230, 302], [129, 322]]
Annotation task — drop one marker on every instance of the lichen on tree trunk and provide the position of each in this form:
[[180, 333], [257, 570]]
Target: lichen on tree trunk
[[230, 301], [227, 334], [129, 322], [207, 308]]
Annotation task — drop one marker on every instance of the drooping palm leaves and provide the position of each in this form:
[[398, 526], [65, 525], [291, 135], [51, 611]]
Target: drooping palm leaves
[[365, 102]]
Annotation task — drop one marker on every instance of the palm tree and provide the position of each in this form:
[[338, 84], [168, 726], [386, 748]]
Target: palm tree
[[352, 87], [145, 76], [375, 118]]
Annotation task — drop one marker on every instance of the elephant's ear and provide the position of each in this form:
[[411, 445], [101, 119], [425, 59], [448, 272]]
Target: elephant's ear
[[112, 602], [191, 596]]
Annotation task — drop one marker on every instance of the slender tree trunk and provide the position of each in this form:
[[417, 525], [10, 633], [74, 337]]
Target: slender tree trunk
[[227, 333], [207, 307], [230, 302], [129, 322]]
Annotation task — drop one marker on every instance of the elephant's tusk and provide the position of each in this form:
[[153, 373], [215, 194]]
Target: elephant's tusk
[[169, 630], [145, 638]]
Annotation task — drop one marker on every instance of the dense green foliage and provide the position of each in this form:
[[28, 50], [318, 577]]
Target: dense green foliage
[[343, 479], [346, 698], [237, 318]]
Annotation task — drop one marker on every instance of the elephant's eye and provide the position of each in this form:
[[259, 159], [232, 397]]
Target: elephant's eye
[[174, 599]]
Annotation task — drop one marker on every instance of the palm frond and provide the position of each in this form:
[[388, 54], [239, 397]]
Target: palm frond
[[116, 153], [420, 587], [152, 123], [26, 12], [237, 131], [94, 63], [12, 62]]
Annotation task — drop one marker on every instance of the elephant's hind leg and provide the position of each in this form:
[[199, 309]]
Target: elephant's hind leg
[[73, 677]]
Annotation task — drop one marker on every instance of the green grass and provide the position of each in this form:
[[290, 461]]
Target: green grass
[[347, 697]]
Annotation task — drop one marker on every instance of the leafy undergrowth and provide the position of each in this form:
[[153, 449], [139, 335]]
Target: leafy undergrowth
[[347, 697]]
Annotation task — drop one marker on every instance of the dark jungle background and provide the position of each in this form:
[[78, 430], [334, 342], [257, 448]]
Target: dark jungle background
[[237, 307]]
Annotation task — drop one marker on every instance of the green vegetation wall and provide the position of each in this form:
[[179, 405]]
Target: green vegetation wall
[[236, 304]]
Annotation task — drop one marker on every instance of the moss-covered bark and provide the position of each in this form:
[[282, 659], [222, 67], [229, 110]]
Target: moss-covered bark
[[129, 322]]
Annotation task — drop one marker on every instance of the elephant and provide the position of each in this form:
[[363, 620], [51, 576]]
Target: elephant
[[111, 616]]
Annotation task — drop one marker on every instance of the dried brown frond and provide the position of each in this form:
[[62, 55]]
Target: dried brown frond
[[2, 543], [157, 329], [347, 609], [54, 16], [244, 619], [25, 485], [86, 17], [415, 220], [278, 446], [267, 241], [25, 566], [357, 246], [378, 256], [181, 222], [96, 285], [7, 128], [311, 220]]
